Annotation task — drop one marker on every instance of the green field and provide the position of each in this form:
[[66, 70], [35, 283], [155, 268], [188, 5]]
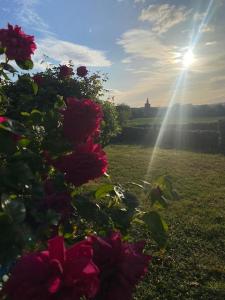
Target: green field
[[194, 264], [185, 120]]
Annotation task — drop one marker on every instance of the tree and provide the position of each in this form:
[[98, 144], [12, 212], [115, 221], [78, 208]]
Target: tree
[[124, 113]]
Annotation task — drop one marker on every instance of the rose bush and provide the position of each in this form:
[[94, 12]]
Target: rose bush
[[49, 148]]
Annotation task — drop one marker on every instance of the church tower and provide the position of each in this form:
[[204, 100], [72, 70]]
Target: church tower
[[147, 108]]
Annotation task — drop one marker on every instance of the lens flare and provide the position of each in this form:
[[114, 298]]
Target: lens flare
[[188, 59]]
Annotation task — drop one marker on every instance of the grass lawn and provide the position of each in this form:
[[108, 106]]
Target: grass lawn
[[185, 120], [194, 264]]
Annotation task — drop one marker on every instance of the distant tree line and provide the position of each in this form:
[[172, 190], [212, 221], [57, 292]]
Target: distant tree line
[[205, 110]]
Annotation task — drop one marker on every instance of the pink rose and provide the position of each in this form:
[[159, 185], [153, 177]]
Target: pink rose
[[55, 274], [86, 163], [82, 71], [121, 266], [82, 118], [19, 46], [3, 119]]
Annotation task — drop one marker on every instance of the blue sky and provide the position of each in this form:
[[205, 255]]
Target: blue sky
[[143, 45]]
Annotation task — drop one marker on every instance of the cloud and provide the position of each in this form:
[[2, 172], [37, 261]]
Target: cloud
[[142, 43], [165, 16], [59, 51], [199, 16], [211, 43], [207, 28], [139, 1], [26, 13]]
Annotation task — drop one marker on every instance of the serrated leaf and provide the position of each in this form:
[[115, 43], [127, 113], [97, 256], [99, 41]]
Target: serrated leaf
[[25, 65], [103, 190], [157, 227]]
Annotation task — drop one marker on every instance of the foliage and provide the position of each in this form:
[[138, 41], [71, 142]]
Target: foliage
[[110, 125], [124, 113], [48, 151]]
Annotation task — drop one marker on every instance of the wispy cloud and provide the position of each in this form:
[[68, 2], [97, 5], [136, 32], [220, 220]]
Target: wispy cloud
[[59, 51], [139, 1], [26, 13], [51, 49], [163, 17], [142, 43]]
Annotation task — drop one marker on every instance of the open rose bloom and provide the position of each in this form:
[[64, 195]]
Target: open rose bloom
[[96, 268], [19, 46], [56, 273]]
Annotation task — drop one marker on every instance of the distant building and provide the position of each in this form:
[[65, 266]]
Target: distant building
[[147, 108]]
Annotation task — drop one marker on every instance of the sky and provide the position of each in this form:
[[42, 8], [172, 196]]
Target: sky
[[163, 50]]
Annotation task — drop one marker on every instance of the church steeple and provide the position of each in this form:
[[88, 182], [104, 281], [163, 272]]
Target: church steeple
[[147, 108]]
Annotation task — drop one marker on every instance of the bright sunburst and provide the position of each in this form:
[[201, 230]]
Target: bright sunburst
[[188, 59]]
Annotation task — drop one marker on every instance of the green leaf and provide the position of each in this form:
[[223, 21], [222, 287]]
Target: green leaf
[[131, 201], [157, 227], [10, 240], [25, 114], [2, 50], [8, 68], [36, 116], [121, 218], [24, 142], [165, 184], [157, 197], [7, 144], [25, 65], [34, 87], [4, 75], [119, 191], [13, 207], [103, 190]]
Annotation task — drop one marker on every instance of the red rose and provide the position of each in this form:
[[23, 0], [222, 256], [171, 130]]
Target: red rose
[[55, 274], [121, 266], [86, 163], [82, 71], [65, 71], [59, 201], [82, 118], [38, 79], [19, 46]]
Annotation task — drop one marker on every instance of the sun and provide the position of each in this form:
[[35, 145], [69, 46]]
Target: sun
[[188, 59]]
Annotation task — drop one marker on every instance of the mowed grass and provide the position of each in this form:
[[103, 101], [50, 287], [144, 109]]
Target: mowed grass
[[193, 266], [183, 120]]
